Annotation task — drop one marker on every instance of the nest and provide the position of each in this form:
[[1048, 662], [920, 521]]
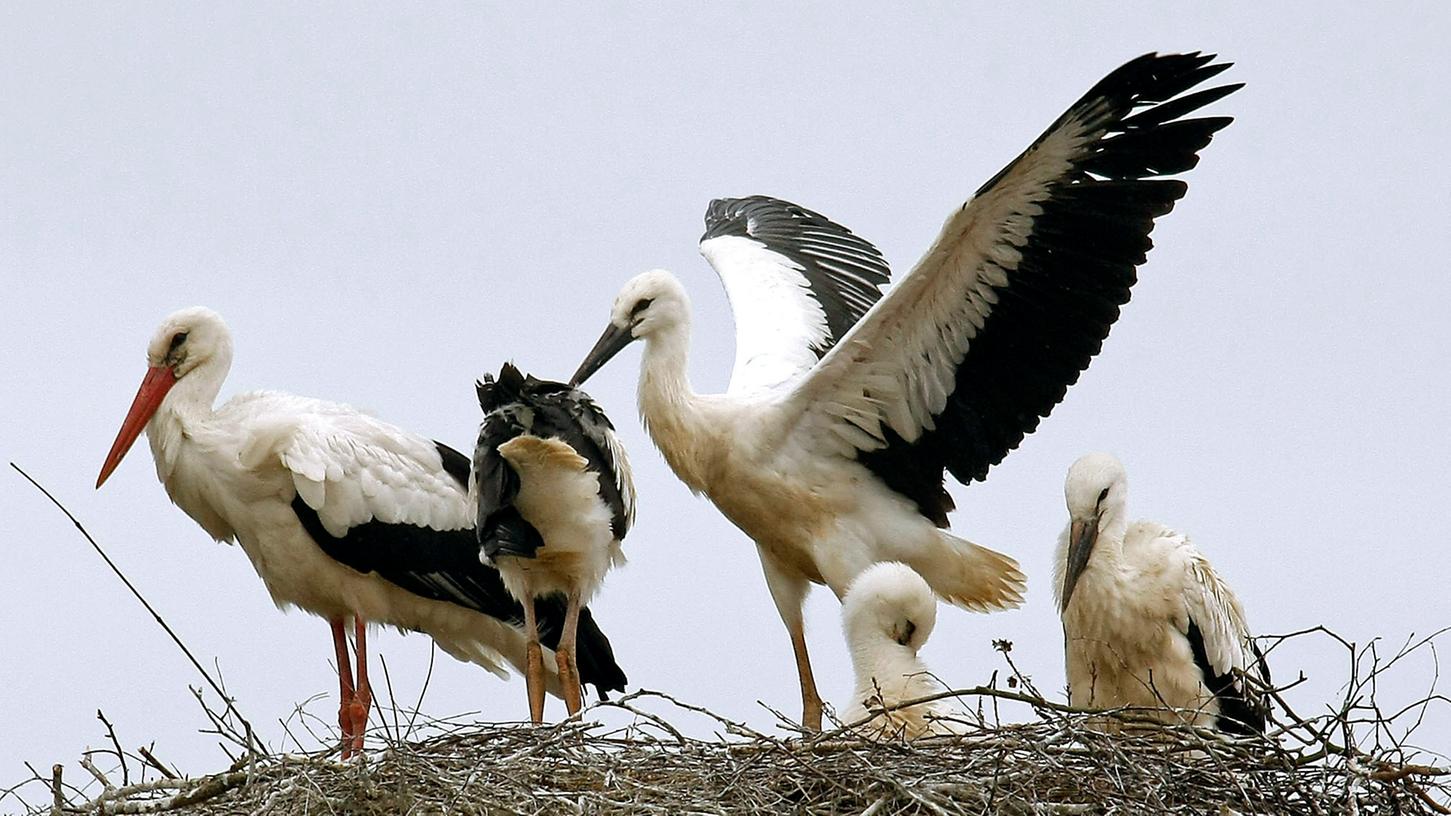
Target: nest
[[1064, 762]]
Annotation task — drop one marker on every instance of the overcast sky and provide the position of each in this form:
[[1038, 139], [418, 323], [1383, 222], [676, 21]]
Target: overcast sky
[[386, 203]]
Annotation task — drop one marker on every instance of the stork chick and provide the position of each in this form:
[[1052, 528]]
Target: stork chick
[[1147, 622], [554, 498], [888, 614]]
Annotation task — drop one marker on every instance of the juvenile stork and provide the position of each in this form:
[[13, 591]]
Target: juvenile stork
[[341, 514], [1147, 622], [845, 407], [887, 616], [552, 488]]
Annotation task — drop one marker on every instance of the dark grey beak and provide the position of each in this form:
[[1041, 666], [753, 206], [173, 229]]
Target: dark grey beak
[[610, 343], [904, 635], [1082, 535]]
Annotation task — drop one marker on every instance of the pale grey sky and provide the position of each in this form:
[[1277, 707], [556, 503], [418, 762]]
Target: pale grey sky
[[385, 203]]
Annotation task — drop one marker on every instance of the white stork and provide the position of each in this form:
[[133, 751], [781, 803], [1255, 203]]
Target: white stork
[[887, 616], [1147, 622], [552, 488], [845, 407], [341, 514]]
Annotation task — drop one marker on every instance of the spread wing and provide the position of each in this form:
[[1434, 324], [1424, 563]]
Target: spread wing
[[797, 282], [982, 338]]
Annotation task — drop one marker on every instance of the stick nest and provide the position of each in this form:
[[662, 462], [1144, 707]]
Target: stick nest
[[1063, 763]]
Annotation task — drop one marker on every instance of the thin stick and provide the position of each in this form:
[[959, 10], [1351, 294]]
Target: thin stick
[[256, 745], [57, 797]]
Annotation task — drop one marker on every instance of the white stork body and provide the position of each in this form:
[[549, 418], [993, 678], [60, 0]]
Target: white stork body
[[554, 497], [1147, 622], [888, 615], [341, 515], [846, 406]]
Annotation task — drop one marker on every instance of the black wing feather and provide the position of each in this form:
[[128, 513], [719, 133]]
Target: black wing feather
[[1238, 713], [443, 565], [1075, 271]]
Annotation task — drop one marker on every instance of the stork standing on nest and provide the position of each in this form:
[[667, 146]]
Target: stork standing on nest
[[1147, 622], [846, 407], [554, 498], [887, 616], [342, 515]]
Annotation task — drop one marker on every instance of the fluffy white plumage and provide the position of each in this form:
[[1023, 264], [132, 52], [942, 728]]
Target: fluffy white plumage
[[1137, 600], [559, 495], [887, 616]]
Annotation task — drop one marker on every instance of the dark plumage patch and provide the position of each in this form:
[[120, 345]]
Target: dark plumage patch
[[1076, 269], [514, 405], [1238, 714], [443, 565], [843, 271], [455, 464]]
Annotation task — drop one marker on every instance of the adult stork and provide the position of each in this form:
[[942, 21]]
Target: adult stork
[[1147, 622], [554, 498], [887, 615], [845, 407], [342, 515]]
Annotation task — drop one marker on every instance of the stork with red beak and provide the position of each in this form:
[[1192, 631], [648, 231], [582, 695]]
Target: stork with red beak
[[341, 514]]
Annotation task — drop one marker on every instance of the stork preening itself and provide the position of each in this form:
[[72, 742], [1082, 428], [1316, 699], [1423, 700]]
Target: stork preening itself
[[1147, 622], [554, 498], [846, 406], [342, 515], [887, 616]]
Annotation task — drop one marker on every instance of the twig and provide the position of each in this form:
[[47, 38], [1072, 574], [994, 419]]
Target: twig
[[256, 746]]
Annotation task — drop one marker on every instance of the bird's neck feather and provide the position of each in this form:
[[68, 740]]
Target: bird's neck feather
[[669, 407], [885, 663], [185, 408]]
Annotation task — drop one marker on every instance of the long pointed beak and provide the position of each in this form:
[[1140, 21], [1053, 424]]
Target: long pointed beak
[[1082, 535], [158, 381], [610, 343]]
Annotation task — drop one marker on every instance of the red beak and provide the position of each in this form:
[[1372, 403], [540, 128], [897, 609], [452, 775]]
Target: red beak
[[158, 381]]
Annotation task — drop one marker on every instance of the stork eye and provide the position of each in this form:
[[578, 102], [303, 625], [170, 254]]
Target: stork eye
[[640, 306], [1102, 495], [177, 339]]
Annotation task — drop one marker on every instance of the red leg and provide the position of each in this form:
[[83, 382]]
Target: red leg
[[346, 693], [363, 700]]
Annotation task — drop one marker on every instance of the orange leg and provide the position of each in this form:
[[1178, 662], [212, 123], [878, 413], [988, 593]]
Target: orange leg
[[346, 694], [564, 657], [533, 662], [810, 699]]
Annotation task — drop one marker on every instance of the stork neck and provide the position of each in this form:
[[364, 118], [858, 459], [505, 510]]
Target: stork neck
[[669, 407], [1112, 527]]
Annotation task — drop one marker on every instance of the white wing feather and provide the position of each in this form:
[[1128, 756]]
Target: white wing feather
[[351, 468]]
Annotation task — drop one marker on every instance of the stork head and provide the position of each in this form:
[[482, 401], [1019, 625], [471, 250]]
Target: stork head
[[1096, 490], [188, 340], [888, 603], [649, 304]]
